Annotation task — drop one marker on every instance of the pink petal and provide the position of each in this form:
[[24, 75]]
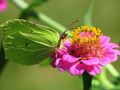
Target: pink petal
[[110, 51], [96, 70], [67, 44], [111, 54], [88, 68], [61, 52], [91, 61], [104, 40], [70, 58], [113, 45], [104, 61], [118, 52], [76, 71], [62, 65], [3, 5], [57, 61], [112, 57]]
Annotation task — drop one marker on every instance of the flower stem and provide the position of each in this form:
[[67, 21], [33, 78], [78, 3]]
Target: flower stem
[[87, 81], [88, 15], [50, 22], [41, 16]]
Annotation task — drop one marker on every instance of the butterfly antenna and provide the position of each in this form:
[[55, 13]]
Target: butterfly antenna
[[64, 34], [69, 27]]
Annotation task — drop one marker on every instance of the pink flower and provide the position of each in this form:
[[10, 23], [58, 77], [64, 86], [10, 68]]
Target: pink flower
[[3, 5], [87, 49]]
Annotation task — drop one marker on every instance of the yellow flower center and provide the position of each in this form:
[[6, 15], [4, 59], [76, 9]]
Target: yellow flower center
[[92, 34]]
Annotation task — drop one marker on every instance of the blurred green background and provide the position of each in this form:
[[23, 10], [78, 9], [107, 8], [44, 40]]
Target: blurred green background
[[106, 15]]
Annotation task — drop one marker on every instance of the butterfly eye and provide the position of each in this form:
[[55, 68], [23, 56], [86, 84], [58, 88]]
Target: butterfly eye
[[64, 36]]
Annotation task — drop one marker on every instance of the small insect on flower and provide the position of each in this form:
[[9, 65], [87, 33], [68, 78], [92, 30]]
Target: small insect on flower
[[87, 49]]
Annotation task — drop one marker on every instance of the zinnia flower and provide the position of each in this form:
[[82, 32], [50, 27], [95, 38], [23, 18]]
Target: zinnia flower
[[3, 5], [85, 49]]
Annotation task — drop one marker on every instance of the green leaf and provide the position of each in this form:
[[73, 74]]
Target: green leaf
[[28, 43]]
